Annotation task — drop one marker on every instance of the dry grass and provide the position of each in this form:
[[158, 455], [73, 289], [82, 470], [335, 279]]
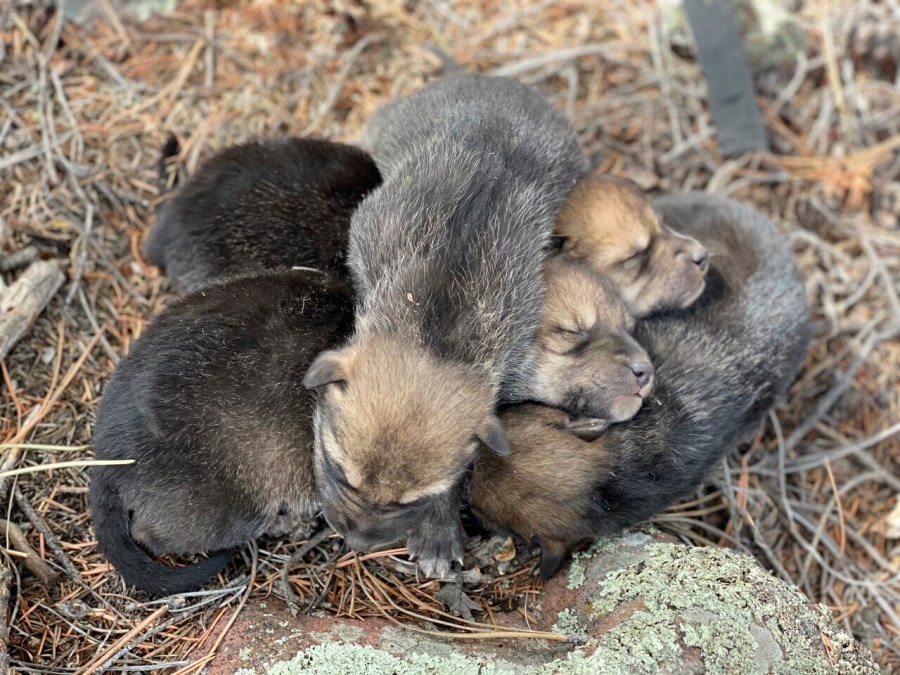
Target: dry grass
[[85, 112]]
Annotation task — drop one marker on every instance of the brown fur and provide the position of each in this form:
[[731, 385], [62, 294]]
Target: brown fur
[[608, 224], [720, 367], [407, 443], [585, 359], [510, 493]]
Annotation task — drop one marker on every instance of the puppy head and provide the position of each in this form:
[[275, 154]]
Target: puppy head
[[395, 428], [543, 489], [586, 361], [610, 225]]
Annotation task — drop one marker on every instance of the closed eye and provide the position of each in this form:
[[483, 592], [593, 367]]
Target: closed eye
[[574, 331], [635, 257], [416, 503], [335, 472]]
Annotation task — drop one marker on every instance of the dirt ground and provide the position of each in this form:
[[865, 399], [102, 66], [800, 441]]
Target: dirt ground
[[85, 109]]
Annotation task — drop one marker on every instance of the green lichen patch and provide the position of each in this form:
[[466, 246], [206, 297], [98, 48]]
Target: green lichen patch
[[339, 659], [567, 623], [576, 574], [737, 616]]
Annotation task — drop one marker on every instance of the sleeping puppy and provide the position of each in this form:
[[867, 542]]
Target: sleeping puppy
[[609, 225], [210, 403], [445, 258], [583, 358], [720, 366], [274, 204]]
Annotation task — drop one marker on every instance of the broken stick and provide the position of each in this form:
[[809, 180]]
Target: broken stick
[[22, 302], [40, 569]]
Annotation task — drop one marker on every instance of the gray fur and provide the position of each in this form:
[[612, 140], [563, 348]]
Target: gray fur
[[720, 366], [476, 169], [446, 258]]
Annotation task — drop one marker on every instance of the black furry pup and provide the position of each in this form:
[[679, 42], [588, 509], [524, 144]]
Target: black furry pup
[[274, 204], [210, 402]]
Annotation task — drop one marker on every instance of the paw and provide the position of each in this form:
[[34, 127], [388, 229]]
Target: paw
[[436, 549], [587, 428]]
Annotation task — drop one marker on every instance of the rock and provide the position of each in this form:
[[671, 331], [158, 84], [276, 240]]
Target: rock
[[648, 605]]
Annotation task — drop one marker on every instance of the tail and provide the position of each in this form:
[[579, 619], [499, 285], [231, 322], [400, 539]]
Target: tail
[[135, 565], [171, 149]]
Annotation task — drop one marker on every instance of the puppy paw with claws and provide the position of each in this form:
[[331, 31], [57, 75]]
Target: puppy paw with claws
[[437, 543], [436, 551]]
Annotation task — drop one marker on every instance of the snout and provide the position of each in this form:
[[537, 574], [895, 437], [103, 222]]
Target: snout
[[643, 373], [693, 250], [700, 258], [363, 541], [627, 404], [358, 536], [690, 275]]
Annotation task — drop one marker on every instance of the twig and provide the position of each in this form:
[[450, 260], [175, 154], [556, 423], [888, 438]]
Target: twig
[[44, 573], [843, 379], [291, 596], [65, 465], [5, 578], [18, 259], [94, 665], [83, 252], [209, 34], [349, 60], [52, 542], [811, 461], [526, 65], [143, 637], [254, 553]]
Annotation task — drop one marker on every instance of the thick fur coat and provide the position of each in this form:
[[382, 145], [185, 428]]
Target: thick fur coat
[[210, 404], [720, 366], [272, 204], [446, 259]]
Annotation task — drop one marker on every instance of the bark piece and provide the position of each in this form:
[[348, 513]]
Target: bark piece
[[23, 301]]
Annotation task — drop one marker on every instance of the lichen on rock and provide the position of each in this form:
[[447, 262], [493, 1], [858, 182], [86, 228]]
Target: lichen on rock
[[340, 659], [645, 604], [722, 604]]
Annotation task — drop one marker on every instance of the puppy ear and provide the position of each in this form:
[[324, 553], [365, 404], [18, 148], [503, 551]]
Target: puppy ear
[[326, 369], [587, 428], [554, 244], [494, 436]]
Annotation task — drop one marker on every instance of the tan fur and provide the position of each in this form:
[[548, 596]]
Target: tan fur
[[537, 491], [409, 426], [584, 356], [607, 223], [411, 423]]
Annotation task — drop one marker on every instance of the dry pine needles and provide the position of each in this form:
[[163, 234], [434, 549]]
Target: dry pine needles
[[84, 111]]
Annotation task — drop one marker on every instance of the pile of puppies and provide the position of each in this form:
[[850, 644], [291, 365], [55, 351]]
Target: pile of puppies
[[469, 319]]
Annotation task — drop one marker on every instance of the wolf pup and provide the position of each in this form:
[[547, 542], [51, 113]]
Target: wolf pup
[[446, 258], [273, 204], [210, 404], [720, 366], [583, 358], [609, 225]]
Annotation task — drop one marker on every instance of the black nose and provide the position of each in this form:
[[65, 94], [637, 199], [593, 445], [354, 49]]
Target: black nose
[[701, 259], [642, 371]]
